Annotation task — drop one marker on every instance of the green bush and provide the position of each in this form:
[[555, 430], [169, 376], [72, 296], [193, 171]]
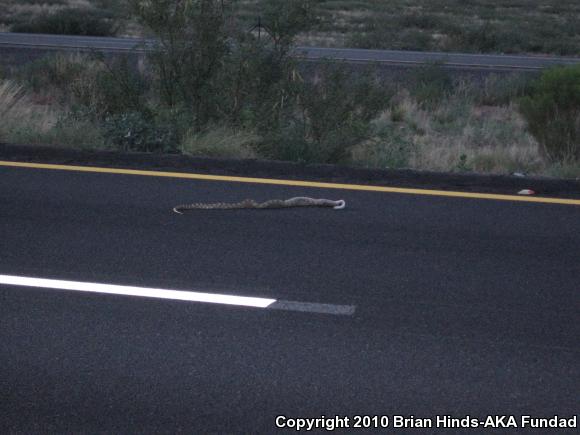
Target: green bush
[[136, 131], [260, 84], [552, 112], [72, 21], [112, 88], [431, 84], [190, 55], [285, 19], [328, 117]]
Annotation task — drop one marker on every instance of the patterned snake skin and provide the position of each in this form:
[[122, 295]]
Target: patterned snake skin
[[274, 203]]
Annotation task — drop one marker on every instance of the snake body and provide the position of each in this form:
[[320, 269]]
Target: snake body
[[274, 203]]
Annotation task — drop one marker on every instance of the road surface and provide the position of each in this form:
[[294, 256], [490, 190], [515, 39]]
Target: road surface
[[398, 305]]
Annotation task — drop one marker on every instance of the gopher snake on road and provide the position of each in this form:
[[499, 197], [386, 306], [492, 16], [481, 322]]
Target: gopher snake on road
[[274, 203]]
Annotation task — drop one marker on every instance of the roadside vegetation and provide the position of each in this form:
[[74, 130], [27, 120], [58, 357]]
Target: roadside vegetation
[[211, 88], [481, 26], [67, 17]]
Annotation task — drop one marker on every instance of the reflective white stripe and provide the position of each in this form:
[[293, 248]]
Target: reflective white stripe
[[137, 291]]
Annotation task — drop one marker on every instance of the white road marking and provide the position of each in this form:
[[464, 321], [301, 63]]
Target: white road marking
[[137, 291], [178, 295], [309, 307]]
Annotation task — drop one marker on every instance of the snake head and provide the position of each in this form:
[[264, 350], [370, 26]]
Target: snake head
[[340, 204]]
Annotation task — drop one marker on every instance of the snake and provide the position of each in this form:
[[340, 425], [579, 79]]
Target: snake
[[300, 201]]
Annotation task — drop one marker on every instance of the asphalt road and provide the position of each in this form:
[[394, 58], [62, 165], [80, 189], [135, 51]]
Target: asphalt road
[[460, 61], [461, 307]]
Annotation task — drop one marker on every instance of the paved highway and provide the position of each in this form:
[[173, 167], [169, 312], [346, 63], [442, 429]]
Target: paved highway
[[399, 304], [384, 57]]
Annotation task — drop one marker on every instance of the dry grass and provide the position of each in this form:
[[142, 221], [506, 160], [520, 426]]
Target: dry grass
[[220, 142], [19, 113], [62, 79], [24, 121], [455, 135]]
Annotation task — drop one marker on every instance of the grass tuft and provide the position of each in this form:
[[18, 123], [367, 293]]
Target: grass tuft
[[25, 122], [221, 142]]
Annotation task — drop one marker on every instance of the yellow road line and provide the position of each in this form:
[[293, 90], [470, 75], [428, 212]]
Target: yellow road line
[[296, 183]]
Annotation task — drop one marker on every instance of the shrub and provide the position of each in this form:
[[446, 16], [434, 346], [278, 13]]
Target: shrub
[[88, 83], [285, 19], [151, 129], [136, 131], [205, 63], [328, 117], [109, 88], [71, 21], [191, 52], [260, 84], [54, 72], [431, 84], [552, 112]]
